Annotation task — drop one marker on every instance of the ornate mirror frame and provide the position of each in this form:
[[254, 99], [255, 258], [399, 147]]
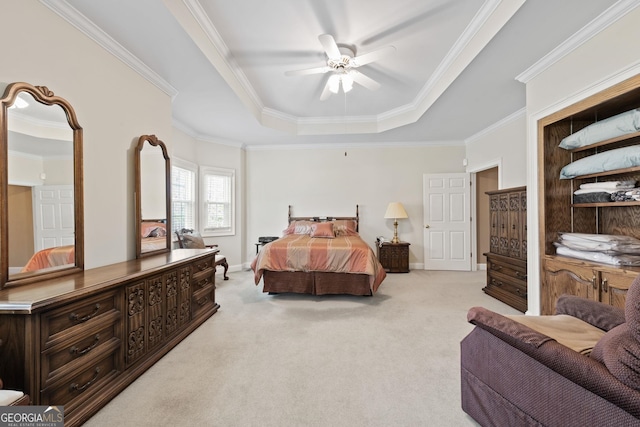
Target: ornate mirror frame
[[154, 142], [44, 96]]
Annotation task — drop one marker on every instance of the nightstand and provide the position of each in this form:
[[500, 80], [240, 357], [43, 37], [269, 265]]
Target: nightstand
[[394, 257]]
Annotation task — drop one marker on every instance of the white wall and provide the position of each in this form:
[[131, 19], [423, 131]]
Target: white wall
[[114, 106], [606, 59], [504, 145], [332, 181]]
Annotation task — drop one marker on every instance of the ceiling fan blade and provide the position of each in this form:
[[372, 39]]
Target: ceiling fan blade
[[330, 46], [326, 92], [372, 56], [363, 80], [307, 71]]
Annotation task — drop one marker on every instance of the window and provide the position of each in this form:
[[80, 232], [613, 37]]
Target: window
[[183, 195], [217, 194]]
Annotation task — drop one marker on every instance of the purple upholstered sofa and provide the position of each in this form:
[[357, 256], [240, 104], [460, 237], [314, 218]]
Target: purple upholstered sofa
[[513, 375]]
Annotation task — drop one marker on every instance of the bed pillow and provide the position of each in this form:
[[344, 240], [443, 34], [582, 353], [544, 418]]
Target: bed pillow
[[619, 158], [299, 227], [153, 229], [621, 124], [344, 227], [322, 229]]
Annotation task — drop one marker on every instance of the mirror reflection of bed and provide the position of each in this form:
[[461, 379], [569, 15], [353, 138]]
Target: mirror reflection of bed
[[153, 234]]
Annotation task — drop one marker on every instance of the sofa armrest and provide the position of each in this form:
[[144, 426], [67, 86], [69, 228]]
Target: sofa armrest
[[582, 370], [508, 330], [600, 315]]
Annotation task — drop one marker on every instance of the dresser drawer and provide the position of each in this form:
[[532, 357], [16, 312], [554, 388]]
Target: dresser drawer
[[69, 355], [203, 264], [87, 381], [508, 269], [203, 300], [203, 279], [65, 323], [514, 286]]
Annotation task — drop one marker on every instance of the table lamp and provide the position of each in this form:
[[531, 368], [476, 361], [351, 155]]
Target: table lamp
[[396, 211]]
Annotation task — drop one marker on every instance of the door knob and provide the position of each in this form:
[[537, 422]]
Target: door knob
[[426, 226]]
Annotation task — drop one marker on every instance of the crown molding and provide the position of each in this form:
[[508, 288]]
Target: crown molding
[[205, 138], [513, 116], [361, 145], [598, 24], [226, 56], [88, 28]]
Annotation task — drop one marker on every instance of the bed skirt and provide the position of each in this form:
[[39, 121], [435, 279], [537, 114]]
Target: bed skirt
[[316, 283]]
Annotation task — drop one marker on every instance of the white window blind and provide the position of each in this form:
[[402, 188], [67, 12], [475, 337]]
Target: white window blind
[[183, 193], [217, 198]]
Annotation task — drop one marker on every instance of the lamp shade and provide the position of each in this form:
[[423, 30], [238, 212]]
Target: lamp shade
[[395, 210]]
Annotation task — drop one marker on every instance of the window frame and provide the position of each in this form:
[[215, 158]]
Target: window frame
[[204, 172], [193, 168]]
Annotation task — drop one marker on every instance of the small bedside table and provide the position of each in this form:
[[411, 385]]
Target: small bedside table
[[394, 257]]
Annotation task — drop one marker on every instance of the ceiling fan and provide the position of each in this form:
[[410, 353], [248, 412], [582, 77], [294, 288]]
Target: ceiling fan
[[342, 63]]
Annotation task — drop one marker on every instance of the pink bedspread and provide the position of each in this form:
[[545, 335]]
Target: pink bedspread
[[51, 257], [299, 252]]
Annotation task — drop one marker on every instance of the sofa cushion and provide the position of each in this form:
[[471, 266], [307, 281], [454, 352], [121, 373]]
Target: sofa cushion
[[619, 351], [569, 331]]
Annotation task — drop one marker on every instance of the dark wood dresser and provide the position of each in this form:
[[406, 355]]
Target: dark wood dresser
[[79, 340], [507, 256]]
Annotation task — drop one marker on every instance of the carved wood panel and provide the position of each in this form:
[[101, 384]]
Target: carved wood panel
[[135, 335]]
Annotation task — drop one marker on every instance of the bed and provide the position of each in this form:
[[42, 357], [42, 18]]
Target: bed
[[153, 235], [51, 257], [319, 256]]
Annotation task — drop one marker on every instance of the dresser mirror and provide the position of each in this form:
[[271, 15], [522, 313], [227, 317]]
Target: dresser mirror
[[41, 223], [153, 197]]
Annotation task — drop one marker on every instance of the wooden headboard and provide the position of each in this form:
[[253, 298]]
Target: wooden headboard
[[326, 218]]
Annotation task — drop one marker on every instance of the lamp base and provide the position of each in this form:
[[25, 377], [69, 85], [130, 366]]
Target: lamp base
[[395, 232]]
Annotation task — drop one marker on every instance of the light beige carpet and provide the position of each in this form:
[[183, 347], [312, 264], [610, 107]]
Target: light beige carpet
[[297, 360]]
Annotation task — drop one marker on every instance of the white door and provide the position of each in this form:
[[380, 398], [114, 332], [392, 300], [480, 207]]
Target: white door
[[447, 221], [53, 216]]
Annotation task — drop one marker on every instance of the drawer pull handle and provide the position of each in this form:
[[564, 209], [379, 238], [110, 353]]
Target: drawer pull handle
[[593, 283], [605, 285], [81, 388], [203, 301], [496, 282], [75, 350], [76, 317], [496, 267], [521, 276]]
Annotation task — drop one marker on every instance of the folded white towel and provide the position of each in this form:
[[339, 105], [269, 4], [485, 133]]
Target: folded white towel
[[594, 190], [609, 184]]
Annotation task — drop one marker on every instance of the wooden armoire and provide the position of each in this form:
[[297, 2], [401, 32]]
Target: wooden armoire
[[507, 256]]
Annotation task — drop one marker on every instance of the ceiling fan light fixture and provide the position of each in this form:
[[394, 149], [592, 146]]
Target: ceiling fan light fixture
[[347, 83], [334, 83], [342, 63]]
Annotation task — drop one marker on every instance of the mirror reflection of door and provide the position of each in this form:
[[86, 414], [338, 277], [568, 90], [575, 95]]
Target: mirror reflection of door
[[41, 193]]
